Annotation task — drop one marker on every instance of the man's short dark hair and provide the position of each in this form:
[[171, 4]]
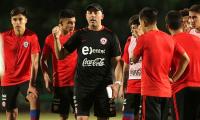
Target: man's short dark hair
[[174, 19], [195, 8], [17, 11], [134, 20], [66, 13], [184, 12], [149, 15]]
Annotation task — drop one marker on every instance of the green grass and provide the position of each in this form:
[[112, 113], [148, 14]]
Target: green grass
[[51, 116]]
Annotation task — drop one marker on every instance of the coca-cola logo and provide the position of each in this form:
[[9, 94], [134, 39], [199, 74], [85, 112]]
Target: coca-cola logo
[[95, 62], [89, 50]]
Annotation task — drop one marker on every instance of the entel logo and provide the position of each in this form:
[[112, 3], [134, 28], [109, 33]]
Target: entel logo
[[89, 50]]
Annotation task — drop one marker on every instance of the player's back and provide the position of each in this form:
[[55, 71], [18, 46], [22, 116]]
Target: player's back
[[191, 44], [158, 51]]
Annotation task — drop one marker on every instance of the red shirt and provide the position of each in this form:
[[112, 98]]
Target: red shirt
[[17, 56], [63, 70], [157, 49], [134, 80], [191, 77]]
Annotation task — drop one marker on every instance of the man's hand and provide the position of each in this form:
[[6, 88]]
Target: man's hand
[[48, 83], [121, 92], [115, 88], [56, 31], [33, 90], [171, 80]]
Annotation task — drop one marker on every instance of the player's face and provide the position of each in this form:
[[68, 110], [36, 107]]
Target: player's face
[[136, 30], [67, 24], [195, 19], [186, 23], [19, 21], [94, 17]]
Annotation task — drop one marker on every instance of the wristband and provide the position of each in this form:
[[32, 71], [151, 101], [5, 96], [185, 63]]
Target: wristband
[[118, 82]]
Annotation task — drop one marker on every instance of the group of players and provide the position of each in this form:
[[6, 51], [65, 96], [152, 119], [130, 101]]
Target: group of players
[[159, 69]]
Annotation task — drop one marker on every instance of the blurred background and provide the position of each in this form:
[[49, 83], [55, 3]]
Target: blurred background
[[43, 15]]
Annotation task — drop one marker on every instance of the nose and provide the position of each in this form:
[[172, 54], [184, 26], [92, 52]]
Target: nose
[[17, 22], [93, 14]]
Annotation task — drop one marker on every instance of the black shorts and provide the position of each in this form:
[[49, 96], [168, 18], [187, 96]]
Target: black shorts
[[103, 106], [10, 93], [132, 103], [63, 98], [155, 108], [186, 104]]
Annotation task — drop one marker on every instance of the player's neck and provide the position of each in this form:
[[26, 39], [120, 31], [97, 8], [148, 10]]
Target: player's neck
[[173, 32], [197, 30], [19, 32], [95, 28], [65, 32], [150, 27]]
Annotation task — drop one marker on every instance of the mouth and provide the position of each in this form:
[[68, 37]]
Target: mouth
[[17, 26], [92, 20]]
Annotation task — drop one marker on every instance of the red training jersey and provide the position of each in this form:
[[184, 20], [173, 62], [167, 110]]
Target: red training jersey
[[134, 80], [17, 56], [63, 70], [191, 76], [157, 49]]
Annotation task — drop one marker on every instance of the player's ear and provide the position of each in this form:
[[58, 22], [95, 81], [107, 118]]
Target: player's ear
[[102, 16], [167, 26]]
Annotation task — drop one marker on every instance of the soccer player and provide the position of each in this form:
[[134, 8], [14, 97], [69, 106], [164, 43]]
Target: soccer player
[[194, 14], [186, 90], [132, 74], [157, 49], [21, 52], [185, 19], [98, 51], [63, 70]]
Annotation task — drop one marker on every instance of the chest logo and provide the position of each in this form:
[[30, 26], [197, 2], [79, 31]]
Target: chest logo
[[103, 41], [26, 44]]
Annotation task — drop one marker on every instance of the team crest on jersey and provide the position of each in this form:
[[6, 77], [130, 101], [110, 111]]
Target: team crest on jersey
[[103, 41], [3, 104], [26, 44]]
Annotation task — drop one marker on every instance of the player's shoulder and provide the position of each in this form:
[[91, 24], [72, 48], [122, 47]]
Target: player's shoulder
[[7, 33], [30, 32], [49, 36], [108, 31]]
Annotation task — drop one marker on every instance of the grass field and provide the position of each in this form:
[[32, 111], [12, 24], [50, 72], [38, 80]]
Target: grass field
[[49, 116]]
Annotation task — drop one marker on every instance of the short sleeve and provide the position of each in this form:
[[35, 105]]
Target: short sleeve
[[35, 47], [47, 46], [178, 49], [125, 56], [73, 42], [115, 46]]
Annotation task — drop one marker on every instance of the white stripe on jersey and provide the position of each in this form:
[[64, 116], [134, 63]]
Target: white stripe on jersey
[[134, 69], [193, 32]]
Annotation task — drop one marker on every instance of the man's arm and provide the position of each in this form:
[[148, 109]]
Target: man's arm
[[184, 61], [60, 52], [45, 71], [125, 75], [1, 58], [34, 70], [116, 61]]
